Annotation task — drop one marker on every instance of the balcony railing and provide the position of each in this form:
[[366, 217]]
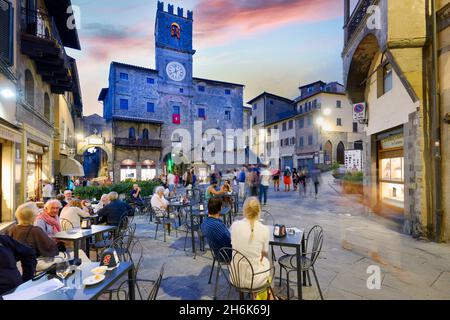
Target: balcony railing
[[138, 143], [357, 17], [40, 25]]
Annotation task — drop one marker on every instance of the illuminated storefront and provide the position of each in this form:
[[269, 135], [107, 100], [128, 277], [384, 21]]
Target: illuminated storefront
[[391, 164], [148, 170], [128, 170]]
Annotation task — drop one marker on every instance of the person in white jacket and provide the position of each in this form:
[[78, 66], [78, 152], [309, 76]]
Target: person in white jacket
[[72, 214]]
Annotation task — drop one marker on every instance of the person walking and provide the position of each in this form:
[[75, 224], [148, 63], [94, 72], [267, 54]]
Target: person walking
[[241, 181], [253, 182], [276, 180], [287, 179], [302, 179], [264, 184], [295, 178], [47, 191], [316, 178]]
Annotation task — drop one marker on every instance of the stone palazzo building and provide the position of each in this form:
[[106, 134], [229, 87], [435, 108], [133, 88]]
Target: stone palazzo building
[[145, 106]]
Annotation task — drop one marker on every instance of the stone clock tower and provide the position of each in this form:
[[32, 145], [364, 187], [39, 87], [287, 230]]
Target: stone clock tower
[[173, 48]]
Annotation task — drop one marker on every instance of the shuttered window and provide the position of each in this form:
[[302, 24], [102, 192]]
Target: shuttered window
[[7, 32]]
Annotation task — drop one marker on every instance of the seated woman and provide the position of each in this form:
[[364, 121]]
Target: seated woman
[[211, 191], [226, 188], [46, 248], [72, 214], [159, 202], [251, 238]]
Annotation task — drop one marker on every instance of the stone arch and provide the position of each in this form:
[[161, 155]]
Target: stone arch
[[358, 71], [108, 151], [328, 152]]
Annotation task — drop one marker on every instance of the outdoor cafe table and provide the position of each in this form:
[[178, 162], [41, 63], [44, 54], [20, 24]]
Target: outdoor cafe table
[[76, 289], [235, 197], [81, 234], [296, 241]]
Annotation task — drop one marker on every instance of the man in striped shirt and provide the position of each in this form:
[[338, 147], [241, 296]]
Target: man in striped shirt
[[214, 229]]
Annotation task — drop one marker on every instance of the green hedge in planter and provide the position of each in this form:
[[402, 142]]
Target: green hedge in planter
[[125, 187]]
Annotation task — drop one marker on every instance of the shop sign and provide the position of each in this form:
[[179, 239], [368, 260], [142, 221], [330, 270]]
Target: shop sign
[[95, 141], [10, 135], [34, 148], [392, 142]]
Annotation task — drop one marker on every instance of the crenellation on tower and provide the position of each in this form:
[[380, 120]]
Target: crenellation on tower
[[180, 11]]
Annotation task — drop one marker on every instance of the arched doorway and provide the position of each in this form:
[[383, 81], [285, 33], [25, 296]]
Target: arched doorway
[[175, 164], [95, 163], [340, 153], [148, 170], [328, 152], [128, 170]]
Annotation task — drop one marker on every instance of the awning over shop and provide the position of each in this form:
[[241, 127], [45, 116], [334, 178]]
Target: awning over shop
[[71, 167]]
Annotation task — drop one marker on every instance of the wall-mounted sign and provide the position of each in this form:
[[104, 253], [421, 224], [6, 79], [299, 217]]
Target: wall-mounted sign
[[353, 160], [34, 148], [392, 142], [95, 141], [359, 111]]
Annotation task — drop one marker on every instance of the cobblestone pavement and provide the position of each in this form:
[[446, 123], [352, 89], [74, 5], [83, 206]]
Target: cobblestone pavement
[[354, 239]]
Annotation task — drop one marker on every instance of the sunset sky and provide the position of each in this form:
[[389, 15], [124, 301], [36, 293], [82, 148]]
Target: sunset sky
[[267, 45]]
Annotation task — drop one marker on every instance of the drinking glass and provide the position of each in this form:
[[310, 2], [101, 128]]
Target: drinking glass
[[63, 270]]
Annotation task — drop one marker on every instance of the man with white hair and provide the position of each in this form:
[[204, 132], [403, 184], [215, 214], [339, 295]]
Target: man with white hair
[[48, 220], [113, 213]]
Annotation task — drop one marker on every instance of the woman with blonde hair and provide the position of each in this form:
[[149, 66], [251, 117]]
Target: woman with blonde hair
[[72, 214], [251, 238]]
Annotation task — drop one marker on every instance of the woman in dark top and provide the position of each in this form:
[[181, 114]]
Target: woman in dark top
[[33, 236]]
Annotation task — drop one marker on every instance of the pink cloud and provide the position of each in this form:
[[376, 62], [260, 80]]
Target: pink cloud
[[223, 20]]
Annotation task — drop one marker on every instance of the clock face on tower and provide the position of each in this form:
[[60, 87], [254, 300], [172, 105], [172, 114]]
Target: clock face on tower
[[175, 71]]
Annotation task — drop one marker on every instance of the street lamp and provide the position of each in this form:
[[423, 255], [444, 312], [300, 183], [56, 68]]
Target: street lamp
[[7, 93]]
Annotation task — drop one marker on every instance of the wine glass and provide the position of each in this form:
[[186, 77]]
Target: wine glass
[[63, 271]]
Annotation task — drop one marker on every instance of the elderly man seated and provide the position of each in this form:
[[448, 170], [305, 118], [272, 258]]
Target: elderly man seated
[[48, 220], [113, 212]]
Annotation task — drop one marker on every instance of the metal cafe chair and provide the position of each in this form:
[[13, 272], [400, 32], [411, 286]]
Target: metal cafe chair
[[215, 259], [190, 225], [236, 273], [136, 256], [66, 225], [288, 262], [122, 292], [163, 217], [267, 218]]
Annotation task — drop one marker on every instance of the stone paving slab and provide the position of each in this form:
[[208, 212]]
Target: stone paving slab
[[355, 238]]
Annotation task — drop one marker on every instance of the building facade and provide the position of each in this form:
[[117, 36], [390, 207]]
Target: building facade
[[267, 109], [35, 71], [156, 105], [390, 66], [324, 125]]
